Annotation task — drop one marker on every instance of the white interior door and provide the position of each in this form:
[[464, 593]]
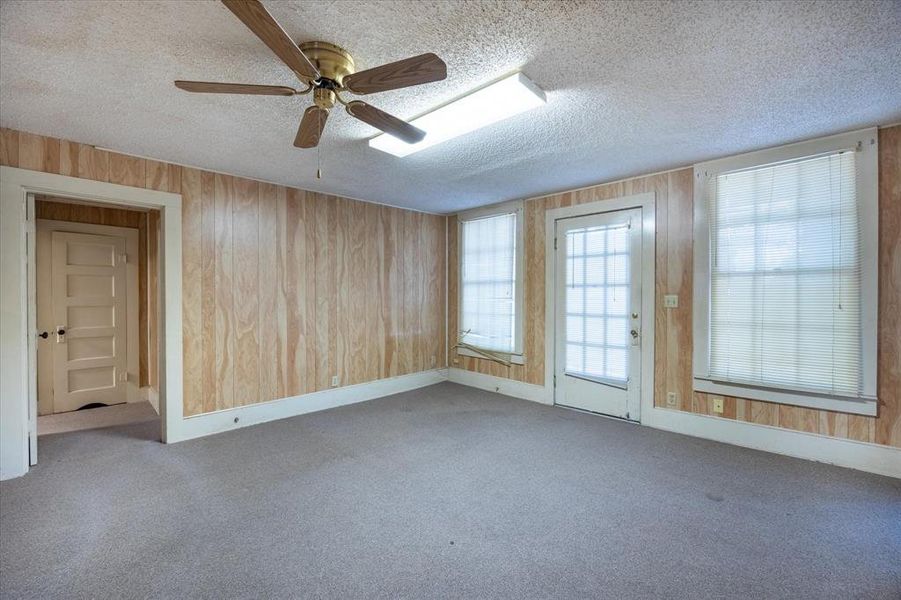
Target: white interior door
[[598, 318], [88, 280]]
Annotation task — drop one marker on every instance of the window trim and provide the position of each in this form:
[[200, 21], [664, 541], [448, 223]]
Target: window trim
[[865, 142], [515, 207]]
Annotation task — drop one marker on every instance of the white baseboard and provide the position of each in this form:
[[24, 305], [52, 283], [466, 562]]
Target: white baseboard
[[873, 458], [501, 385], [253, 414]]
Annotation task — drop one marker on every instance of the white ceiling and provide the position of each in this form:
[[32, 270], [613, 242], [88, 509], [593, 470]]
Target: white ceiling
[[632, 87]]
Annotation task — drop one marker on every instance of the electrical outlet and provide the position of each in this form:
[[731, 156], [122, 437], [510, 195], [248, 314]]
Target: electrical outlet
[[335, 381], [671, 301], [672, 398], [434, 361], [718, 405]]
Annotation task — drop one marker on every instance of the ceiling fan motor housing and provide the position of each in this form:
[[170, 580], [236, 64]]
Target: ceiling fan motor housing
[[333, 62]]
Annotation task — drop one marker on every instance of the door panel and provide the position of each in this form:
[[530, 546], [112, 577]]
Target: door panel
[[88, 281], [598, 299], [93, 347]]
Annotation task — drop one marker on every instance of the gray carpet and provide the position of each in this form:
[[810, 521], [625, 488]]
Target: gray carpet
[[441, 492]]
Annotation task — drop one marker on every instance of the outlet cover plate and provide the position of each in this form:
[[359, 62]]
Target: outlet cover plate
[[671, 301]]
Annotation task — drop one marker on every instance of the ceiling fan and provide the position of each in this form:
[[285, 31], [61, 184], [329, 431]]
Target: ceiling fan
[[327, 71]]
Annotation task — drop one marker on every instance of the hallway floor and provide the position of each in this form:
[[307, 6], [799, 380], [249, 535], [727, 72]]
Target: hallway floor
[[95, 418]]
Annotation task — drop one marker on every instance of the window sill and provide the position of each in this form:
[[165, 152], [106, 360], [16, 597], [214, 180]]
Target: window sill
[[516, 359], [862, 406]]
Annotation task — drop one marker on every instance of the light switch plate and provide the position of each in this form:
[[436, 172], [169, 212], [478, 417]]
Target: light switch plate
[[671, 301]]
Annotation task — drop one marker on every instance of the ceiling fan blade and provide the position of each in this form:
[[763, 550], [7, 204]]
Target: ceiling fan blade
[[387, 123], [311, 127], [253, 14], [215, 87], [424, 68]]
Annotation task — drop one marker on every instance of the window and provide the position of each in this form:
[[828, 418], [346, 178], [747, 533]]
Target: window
[[491, 281], [788, 276]]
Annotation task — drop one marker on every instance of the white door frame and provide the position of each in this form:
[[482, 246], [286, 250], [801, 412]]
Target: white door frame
[[48, 226], [647, 203], [18, 354]]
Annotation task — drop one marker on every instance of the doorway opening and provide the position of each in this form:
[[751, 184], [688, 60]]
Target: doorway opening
[[97, 274]]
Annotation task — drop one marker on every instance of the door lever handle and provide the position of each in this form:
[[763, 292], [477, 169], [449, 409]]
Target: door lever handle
[[44, 334], [634, 334]]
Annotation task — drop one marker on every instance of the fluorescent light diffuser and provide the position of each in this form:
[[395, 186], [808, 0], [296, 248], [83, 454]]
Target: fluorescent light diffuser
[[490, 104]]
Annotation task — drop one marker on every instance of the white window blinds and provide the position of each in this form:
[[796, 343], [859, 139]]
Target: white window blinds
[[785, 276], [488, 282]]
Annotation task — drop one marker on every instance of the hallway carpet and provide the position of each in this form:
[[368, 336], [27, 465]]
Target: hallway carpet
[[441, 492]]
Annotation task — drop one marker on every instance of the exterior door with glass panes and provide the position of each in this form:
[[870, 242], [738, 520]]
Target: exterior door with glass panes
[[598, 313]]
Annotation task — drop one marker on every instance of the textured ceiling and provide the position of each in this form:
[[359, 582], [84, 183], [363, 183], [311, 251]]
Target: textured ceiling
[[632, 87]]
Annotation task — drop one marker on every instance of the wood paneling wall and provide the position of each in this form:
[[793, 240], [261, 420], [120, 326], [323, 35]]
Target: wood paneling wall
[[147, 224], [282, 288], [673, 327], [286, 289]]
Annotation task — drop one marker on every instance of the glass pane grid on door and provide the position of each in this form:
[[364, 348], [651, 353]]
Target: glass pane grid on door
[[597, 302]]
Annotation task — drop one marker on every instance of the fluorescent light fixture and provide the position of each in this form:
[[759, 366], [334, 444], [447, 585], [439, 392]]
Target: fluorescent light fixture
[[494, 102]]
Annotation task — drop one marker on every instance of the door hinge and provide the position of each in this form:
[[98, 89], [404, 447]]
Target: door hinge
[[555, 243], [123, 259], [555, 380]]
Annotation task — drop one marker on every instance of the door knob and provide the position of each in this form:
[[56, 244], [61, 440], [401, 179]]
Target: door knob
[[60, 331], [634, 334]]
